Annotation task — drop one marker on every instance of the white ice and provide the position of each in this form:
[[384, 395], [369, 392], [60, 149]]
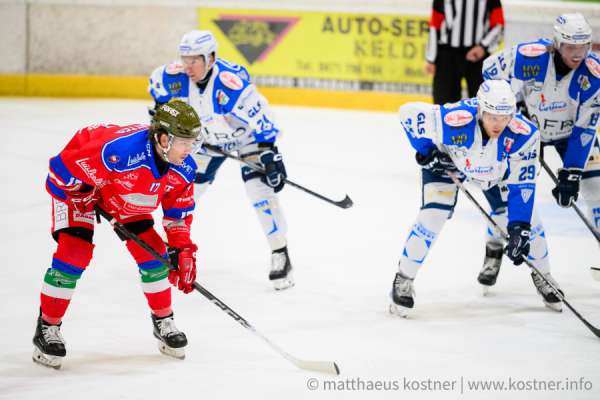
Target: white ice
[[344, 261]]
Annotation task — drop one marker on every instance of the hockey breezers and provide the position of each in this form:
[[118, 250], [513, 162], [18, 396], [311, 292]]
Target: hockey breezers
[[588, 224], [493, 223], [346, 202], [328, 367]]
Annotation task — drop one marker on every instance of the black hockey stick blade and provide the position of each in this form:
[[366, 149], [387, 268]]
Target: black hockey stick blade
[[346, 203], [595, 273]]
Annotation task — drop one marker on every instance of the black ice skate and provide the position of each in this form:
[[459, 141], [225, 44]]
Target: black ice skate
[[549, 297], [281, 269], [491, 266], [171, 341], [402, 295], [49, 345]]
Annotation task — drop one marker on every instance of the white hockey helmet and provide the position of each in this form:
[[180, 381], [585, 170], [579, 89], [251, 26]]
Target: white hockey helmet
[[572, 29], [198, 43], [496, 97]]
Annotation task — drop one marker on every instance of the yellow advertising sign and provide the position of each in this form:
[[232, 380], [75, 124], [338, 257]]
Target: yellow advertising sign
[[322, 45]]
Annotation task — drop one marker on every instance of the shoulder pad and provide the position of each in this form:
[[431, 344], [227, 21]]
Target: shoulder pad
[[519, 126], [187, 169], [127, 150], [457, 118], [174, 68], [533, 49], [593, 65]]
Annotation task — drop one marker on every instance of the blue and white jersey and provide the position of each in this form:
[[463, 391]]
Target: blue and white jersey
[[564, 107], [232, 111], [510, 159]]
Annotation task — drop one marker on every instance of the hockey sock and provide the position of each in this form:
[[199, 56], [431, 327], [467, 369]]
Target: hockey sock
[[153, 273], [428, 225], [71, 258]]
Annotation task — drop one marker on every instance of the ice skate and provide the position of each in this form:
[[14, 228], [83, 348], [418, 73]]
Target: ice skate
[[549, 297], [402, 296], [281, 270], [171, 341], [491, 266], [49, 345]]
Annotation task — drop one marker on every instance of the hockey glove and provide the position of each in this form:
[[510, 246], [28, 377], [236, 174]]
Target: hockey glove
[[437, 162], [275, 173], [518, 242], [184, 259], [82, 200], [567, 189]]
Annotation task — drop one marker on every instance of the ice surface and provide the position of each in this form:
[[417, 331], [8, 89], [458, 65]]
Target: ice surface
[[344, 261]]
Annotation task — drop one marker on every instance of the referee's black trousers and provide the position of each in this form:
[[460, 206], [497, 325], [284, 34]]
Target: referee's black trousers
[[450, 67]]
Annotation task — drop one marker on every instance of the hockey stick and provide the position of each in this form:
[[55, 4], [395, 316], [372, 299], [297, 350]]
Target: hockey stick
[[328, 367], [493, 223], [574, 206], [346, 202], [594, 270]]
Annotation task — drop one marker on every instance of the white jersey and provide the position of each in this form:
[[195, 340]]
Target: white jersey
[[512, 158], [565, 108], [232, 111]]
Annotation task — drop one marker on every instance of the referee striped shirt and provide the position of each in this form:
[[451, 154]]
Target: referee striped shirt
[[463, 24]]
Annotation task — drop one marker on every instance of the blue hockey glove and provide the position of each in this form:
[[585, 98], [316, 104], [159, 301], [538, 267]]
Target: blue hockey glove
[[437, 162], [518, 241], [275, 173], [567, 189]]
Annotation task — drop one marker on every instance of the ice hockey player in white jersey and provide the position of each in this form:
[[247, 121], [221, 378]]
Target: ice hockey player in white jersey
[[558, 82], [485, 142], [236, 118]]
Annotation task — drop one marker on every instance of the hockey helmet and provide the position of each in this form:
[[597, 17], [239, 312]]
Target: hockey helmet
[[198, 43], [572, 29], [496, 97], [178, 119]]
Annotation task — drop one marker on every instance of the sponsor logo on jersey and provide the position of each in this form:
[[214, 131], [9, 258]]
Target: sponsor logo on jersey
[[174, 87], [533, 50], [518, 126], [459, 139], [479, 170], [135, 159], [222, 98], [88, 170], [593, 66], [586, 138], [508, 142], [526, 194], [531, 71], [231, 80], [554, 106], [458, 118], [114, 158]]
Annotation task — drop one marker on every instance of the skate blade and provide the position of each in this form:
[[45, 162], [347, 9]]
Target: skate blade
[[399, 311], [554, 306], [46, 360], [171, 351], [283, 283]]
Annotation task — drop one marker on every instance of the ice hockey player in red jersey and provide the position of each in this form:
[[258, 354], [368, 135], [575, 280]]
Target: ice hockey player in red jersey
[[129, 171]]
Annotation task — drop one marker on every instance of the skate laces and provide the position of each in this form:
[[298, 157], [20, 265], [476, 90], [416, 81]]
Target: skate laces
[[52, 334], [167, 327], [278, 261]]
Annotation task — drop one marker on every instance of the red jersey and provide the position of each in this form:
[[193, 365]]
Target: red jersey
[[119, 162]]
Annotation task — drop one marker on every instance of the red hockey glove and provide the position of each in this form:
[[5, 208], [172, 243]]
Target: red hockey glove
[[185, 275], [83, 200]]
